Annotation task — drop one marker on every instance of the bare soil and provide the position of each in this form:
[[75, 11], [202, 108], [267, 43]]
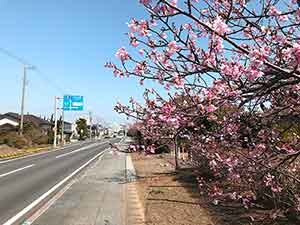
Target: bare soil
[[173, 198], [4, 149], [169, 197]]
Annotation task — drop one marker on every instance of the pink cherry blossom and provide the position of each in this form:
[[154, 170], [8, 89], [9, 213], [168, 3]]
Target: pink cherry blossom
[[150, 149], [143, 28], [178, 81], [232, 69], [133, 25], [219, 26], [142, 51], [172, 48], [140, 69], [211, 108], [274, 11], [226, 77], [187, 26], [145, 2], [253, 74], [122, 54]]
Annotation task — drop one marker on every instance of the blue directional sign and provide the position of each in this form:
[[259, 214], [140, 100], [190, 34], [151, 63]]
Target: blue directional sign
[[73, 103]]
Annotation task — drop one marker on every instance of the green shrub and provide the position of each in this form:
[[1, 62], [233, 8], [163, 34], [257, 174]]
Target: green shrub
[[43, 140], [2, 139], [14, 140], [162, 149]]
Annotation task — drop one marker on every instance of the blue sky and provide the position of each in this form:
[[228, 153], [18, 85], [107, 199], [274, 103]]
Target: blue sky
[[69, 41]]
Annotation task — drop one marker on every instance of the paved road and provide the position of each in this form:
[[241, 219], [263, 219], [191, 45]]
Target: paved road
[[98, 197], [24, 180]]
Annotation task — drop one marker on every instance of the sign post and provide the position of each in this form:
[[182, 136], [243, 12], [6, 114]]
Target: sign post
[[63, 127]]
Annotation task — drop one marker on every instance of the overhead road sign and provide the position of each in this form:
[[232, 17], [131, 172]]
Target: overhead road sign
[[73, 103]]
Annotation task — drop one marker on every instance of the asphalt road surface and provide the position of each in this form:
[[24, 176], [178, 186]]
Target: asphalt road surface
[[23, 180]]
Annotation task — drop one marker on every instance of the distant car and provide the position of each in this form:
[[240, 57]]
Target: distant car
[[74, 140]]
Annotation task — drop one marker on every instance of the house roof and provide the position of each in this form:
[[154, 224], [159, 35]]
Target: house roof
[[36, 120], [32, 118], [11, 116]]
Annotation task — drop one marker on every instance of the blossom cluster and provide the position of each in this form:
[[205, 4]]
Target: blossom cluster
[[230, 88]]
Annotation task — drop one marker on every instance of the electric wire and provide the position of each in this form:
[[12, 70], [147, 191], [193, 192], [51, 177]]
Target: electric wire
[[36, 69]]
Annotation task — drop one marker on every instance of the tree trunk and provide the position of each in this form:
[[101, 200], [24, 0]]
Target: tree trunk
[[176, 153]]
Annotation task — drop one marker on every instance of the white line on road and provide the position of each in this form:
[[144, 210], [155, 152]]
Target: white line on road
[[81, 149], [17, 170], [44, 208], [41, 153], [35, 203]]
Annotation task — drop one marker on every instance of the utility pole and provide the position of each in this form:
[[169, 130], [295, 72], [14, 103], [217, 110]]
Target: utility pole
[[90, 118], [63, 127], [55, 122], [25, 67]]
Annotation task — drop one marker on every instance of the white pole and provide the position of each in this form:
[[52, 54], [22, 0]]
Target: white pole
[[55, 123], [23, 100], [90, 115], [63, 127], [25, 67]]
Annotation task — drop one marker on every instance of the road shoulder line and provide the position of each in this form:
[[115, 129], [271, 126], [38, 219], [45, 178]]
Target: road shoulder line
[[44, 196]]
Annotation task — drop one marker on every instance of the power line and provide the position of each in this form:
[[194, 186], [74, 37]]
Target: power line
[[38, 71], [13, 56], [49, 81]]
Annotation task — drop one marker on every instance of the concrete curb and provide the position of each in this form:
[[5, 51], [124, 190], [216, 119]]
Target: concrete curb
[[130, 170], [135, 214]]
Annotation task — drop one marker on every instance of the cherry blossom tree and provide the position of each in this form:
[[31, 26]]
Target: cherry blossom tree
[[231, 71]]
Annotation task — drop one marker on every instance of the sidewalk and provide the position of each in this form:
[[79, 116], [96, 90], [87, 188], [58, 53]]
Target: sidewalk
[[98, 197]]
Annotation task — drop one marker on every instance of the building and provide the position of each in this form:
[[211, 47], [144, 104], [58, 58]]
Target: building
[[69, 130], [10, 122], [98, 131], [44, 125]]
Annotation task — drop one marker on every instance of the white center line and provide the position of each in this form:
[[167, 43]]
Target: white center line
[[41, 153], [17, 170], [81, 149]]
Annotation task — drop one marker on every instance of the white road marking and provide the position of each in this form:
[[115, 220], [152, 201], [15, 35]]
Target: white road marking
[[27, 209], [42, 153], [81, 149], [37, 154], [44, 208], [17, 170]]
